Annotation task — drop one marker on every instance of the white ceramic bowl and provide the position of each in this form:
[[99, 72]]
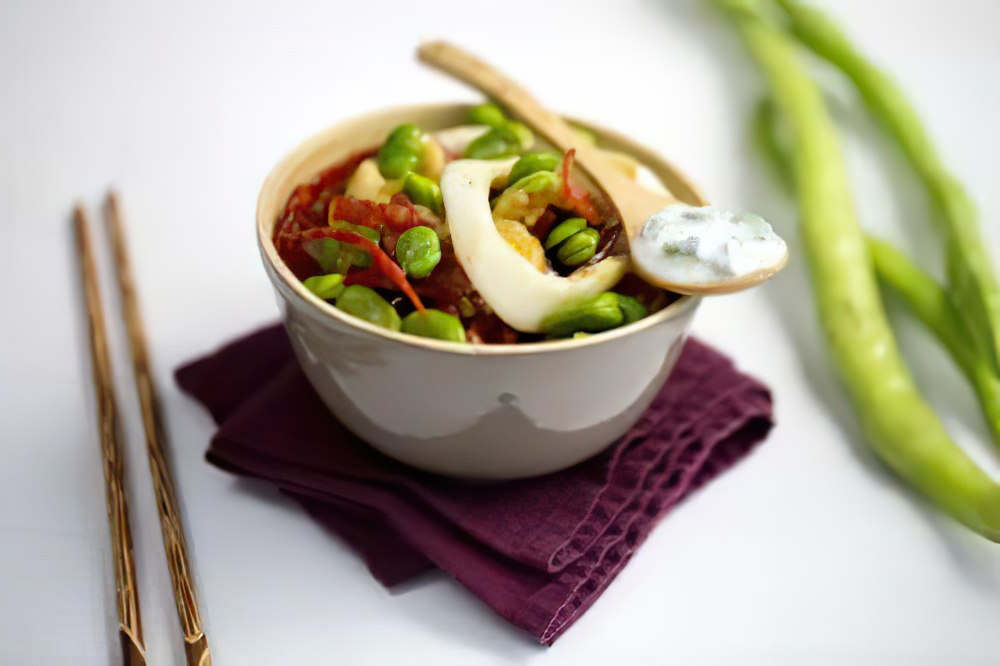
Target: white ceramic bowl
[[472, 411]]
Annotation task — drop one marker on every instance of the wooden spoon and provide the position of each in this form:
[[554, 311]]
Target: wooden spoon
[[633, 202]]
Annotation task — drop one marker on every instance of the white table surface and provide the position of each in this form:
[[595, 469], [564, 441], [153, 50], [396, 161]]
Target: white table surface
[[807, 553]]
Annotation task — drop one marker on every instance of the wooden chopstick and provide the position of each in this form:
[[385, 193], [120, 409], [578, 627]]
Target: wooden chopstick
[[126, 589], [171, 526]]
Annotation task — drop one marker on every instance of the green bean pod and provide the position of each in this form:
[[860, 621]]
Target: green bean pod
[[764, 133], [922, 295], [933, 307], [901, 427], [971, 280]]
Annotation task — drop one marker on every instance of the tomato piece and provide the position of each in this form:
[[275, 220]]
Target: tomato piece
[[577, 199]]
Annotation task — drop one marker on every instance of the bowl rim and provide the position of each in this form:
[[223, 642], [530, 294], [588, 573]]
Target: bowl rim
[[317, 306]]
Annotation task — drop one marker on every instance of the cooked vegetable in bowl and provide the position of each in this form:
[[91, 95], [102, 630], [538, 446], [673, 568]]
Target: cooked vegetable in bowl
[[475, 233]]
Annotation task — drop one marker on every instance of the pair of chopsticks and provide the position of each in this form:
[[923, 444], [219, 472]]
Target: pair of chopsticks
[[126, 589]]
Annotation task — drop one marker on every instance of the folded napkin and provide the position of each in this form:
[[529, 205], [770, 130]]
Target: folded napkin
[[538, 551]]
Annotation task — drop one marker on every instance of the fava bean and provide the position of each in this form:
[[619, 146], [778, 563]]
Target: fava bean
[[491, 115], [418, 251], [592, 315], [366, 304], [564, 230], [371, 234], [493, 144], [487, 114], [434, 324], [631, 309], [336, 257], [466, 308], [401, 152], [325, 286], [532, 162], [525, 137], [423, 191], [578, 248], [352, 255], [326, 252], [539, 181]]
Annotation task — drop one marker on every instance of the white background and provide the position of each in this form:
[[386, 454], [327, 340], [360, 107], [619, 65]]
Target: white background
[[807, 553]]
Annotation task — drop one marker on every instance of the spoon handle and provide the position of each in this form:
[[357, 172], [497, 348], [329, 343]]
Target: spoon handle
[[493, 83]]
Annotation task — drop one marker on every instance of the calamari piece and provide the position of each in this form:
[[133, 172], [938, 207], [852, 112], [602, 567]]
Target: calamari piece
[[514, 288]]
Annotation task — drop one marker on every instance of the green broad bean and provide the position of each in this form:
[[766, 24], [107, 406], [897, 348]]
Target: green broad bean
[[541, 186], [493, 144], [336, 257], [402, 151], [423, 191], [434, 324], [578, 248], [531, 163], [525, 137], [326, 252], [564, 230], [366, 304], [355, 255], [466, 308], [592, 316], [418, 251], [540, 181], [371, 234], [491, 115], [632, 309], [325, 286], [486, 114]]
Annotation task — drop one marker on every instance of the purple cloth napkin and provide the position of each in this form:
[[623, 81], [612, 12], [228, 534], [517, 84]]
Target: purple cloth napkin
[[538, 551]]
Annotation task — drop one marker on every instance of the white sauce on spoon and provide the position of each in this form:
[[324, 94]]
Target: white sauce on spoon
[[684, 244]]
